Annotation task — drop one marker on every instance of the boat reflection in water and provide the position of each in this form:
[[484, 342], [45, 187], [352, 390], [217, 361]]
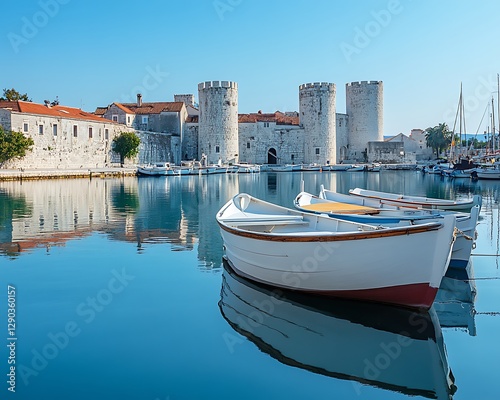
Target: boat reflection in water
[[387, 347], [454, 303]]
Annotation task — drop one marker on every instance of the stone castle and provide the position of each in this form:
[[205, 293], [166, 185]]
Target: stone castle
[[316, 134], [213, 130]]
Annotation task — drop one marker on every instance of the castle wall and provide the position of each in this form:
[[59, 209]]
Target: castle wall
[[256, 139], [218, 121], [65, 143], [318, 117], [364, 106], [187, 99], [387, 152], [155, 147], [189, 147], [342, 135]]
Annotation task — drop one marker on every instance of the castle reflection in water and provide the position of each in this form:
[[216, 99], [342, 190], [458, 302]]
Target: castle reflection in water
[[178, 211]]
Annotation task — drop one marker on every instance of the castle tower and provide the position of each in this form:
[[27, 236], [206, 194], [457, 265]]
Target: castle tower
[[317, 116], [218, 121], [364, 107]]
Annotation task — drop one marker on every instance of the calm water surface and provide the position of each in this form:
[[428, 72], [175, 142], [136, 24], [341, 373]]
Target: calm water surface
[[121, 293]]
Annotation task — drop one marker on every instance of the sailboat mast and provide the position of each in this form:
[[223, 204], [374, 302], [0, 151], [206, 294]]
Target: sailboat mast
[[498, 102], [493, 144]]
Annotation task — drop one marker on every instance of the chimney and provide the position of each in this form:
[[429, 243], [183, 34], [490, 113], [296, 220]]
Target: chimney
[[47, 103], [139, 100]]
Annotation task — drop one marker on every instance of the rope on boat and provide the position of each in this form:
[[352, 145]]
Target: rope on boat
[[463, 234]]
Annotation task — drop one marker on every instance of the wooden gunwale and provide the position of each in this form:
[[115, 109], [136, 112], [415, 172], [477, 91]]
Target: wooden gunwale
[[336, 237]]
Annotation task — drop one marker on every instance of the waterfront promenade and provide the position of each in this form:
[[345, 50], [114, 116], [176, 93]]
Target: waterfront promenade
[[35, 174]]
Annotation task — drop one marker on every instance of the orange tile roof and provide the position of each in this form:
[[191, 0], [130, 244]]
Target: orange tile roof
[[53, 111], [123, 108], [278, 117], [155, 107]]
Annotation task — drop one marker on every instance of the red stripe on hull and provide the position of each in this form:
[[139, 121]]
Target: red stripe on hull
[[417, 295]]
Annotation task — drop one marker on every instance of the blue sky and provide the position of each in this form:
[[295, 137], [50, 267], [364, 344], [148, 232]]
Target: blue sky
[[92, 53]]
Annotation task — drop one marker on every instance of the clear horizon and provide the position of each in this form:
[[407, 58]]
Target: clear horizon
[[92, 54]]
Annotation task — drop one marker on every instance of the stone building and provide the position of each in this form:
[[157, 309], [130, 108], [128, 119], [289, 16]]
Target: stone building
[[214, 131], [159, 125], [64, 137]]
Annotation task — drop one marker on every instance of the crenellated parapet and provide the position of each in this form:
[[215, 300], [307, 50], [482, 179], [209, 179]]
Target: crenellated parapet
[[318, 86], [364, 83], [217, 84]]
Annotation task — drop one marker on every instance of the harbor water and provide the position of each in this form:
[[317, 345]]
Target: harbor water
[[116, 289]]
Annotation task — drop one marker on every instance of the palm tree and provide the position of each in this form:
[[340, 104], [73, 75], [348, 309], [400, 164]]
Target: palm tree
[[438, 138]]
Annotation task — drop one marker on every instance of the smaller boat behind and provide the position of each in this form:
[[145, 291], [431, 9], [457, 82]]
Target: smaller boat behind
[[418, 201], [356, 209]]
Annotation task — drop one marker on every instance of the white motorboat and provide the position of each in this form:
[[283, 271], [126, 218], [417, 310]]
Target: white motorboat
[[157, 169]]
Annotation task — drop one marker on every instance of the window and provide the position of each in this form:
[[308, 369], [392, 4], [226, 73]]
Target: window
[[128, 119], [115, 118], [266, 124], [293, 157], [75, 130], [90, 132], [340, 122], [26, 127], [317, 150], [248, 145], [217, 149], [144, 119], [40, 129], [106, 133], [54, 129]]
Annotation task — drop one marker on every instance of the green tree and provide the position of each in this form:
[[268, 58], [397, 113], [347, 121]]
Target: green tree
[[126, 144], [438, 138], [13, 145], [14, 95]]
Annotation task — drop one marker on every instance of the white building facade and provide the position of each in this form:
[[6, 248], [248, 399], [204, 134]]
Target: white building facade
[[64, 137]]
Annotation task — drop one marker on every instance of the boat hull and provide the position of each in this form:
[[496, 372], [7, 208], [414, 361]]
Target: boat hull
[[378, 272]]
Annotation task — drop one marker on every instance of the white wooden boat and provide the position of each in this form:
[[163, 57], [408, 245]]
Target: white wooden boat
[[157, 169], [280, 168], [341, 339], [355, 209], [460, 173], [311, 167], [329, 256], [487, 173], [375, 167], [418, 201], [340, 167], [356, 168]]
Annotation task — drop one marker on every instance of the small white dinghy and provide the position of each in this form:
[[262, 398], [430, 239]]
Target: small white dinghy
[[329, 256], [418, 201], [372, 211]]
